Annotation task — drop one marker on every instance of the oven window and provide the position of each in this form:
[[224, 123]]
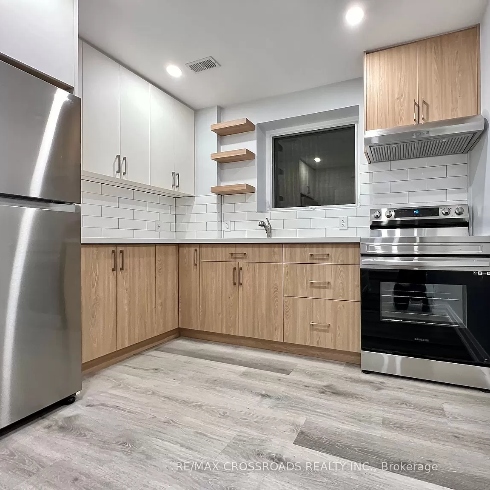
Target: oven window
[[442, 305]]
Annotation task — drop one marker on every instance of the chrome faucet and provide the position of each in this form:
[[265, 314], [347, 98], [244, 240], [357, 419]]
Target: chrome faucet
[[267, 227]]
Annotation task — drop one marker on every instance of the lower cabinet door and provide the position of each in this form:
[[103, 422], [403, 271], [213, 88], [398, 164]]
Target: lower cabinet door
[[167, 286], [98, 301], [322, 323], [135, 294], [189, 286], [219, 297], [261, 301]]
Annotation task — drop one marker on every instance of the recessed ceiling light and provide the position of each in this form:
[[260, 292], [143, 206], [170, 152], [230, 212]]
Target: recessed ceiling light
[[174, 71], [354, 16], [317, 159]]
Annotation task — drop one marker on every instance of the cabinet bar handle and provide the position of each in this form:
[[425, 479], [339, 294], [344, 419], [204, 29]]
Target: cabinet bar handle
[[427, 105], [173, 180], [319, 256], [121, 252], [118, 161], [114, 261], [178, 180], [240, 277], [125, 166], [315, 324], [238, 254], [195, 257], [416, 112], [325, 284], [234, 276]]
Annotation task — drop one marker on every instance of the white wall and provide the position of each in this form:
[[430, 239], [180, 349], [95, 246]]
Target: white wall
[[479, 168], [206, 142]]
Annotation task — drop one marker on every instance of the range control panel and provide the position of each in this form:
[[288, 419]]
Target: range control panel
[[424, 212]]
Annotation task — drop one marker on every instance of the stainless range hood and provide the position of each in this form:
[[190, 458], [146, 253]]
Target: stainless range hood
[[450, 137]]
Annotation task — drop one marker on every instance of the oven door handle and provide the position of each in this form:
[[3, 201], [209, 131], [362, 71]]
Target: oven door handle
[[478, 265]]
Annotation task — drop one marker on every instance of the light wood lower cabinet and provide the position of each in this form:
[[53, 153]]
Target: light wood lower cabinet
[[99, 285], [167, 290], [322, 281], [219, 297], [322, 323], [260, 301], [189, 259], [135, 294], [319, 253]]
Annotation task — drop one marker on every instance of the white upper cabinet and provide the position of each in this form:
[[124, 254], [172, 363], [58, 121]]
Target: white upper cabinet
[[101, 125], [41, 34], [132, 130], [171, 143], [135, 127], [162, 161]]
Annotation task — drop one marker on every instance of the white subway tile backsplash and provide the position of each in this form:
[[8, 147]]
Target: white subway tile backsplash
[[235, 234], [117, 233], [132, 204], [132, 224], [208, 234], [389, 199], [325, 223], [228, 208], [151, 225], [159, 208], [378, 188], [146, 196], [246, 206], [311, 213], [91, 232], [234, 216], [117, 213], [211, 208], [213, 226], [284, 233], [457, 195], [98, 222], [295, 224], [110, 190], [91, 187], [167, 218], [390, 176], [191, 227], [428, 196], [246, 225], [167, 235], [358, 221], [376, 167], [98, 200], [233, 199], [169, 201], [283, 214], [146, 216], [332, 212], [256, 234], [429, 162], [312, 233], [426, 172], [91, 210], [457, 170], [257, 216]]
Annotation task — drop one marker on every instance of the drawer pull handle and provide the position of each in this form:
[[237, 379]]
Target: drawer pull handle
[[319, 256], [315, 324], [324, 284], [238, 254]]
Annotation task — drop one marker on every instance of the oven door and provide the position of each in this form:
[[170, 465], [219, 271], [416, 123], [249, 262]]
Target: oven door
[[434, 309]]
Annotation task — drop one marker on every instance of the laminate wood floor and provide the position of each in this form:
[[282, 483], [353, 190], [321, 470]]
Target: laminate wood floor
[[200, 415]]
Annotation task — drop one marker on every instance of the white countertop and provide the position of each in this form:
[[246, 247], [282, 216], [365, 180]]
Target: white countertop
[[151, 241]]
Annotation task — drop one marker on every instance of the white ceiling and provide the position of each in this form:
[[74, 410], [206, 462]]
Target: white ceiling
[[265, 47]]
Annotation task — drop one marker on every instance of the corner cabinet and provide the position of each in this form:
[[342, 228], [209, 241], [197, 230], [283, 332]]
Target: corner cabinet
[[132, 130], [429, 80]]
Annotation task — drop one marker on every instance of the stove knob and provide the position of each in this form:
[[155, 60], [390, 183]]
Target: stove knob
[[377, 214], [459, 210], [446, 211], [389, 214]]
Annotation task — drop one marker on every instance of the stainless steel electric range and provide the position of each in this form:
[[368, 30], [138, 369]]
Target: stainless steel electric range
[[425, 300]]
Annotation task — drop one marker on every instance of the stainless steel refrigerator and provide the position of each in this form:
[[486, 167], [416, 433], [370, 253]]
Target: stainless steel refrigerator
[[40, 335]]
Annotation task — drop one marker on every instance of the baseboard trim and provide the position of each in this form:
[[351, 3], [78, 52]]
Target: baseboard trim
[[301, 350], [120, 355]]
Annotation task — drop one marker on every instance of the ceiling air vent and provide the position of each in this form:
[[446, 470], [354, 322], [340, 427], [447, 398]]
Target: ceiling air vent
[[204, 64]]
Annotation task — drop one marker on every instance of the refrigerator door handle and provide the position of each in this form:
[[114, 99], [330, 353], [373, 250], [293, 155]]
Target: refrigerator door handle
[[125, 166], [118, 167]]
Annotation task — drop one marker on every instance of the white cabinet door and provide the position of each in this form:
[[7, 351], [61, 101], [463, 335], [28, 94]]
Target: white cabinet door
[[135, 127], [184, 147], [101, 137], [161, 139], [41, 34]]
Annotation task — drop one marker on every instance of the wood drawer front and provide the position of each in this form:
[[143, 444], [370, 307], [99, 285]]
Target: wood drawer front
[[258, 253], [343, 253], [323, 323], [218, 252], [325, 281]]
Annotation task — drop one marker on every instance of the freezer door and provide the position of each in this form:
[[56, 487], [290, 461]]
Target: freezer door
[[40, 152], [40, 337]]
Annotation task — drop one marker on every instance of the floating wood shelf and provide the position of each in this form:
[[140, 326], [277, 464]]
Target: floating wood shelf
[[233, 156], [233, 127], [226, 190]]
